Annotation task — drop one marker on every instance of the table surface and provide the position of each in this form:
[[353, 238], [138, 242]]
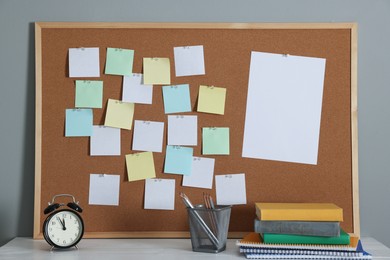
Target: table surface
[[27, 248]]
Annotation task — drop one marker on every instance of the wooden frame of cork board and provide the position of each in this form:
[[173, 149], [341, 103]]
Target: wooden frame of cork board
[[63, 165]]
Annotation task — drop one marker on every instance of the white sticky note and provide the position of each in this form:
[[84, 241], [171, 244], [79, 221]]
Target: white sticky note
[[84, 62], [134, 91], [105, 141], [160, 194], [148, 136], [189, 60], [230, 189], [182, 130], [283, 111], [202, 173], [104, 189]]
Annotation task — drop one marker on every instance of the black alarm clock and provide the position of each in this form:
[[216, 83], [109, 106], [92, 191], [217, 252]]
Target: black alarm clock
[[63, 228]]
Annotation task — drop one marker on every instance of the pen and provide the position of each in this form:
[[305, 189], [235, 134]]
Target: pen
[[208, 201], [209, 233], [211, 202]]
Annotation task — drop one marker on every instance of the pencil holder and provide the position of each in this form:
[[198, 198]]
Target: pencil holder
[[209, 228]]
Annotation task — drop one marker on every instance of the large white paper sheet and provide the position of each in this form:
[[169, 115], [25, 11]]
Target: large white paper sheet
[[230, 189], [148, 136], [182, 130], [84, 62], [202, 173], [283, 112], [104, 189], [105, 141], [160, 194]]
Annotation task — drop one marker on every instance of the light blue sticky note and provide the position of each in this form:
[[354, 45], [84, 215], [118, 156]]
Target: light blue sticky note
[[177, 98], [119, 61], [78, 122], [178, 160], [215, 140]]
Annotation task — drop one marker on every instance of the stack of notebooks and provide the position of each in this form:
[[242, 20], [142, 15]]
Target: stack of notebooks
[[300, 231]]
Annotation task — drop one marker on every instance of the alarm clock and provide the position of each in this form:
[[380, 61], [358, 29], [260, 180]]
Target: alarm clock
[[63, 228]]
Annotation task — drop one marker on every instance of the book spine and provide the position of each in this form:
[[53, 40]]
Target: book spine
[[343, 239], [335, 215], [327, 229]]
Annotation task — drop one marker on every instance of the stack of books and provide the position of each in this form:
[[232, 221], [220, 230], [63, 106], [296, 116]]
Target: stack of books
[[300, 231]]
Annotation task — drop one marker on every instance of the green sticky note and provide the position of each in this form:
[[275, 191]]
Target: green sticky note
[[211, 100], [119, 114], [140, 166], [119, 61], [89, 93], [215, 140]]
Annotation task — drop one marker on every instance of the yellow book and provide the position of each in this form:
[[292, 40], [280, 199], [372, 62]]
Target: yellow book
[[299, 211]]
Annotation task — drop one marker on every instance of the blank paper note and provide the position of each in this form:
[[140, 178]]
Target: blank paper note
[[283, 112], [89, 93], [84, 62], [159, 194], [104, 189], [202, 173], [134, 91], [211, 100], [182, 130], [189, 60], [157, 71], [178, 160], [105, 141], [148, 136], [119, 114], [119, 61], [140, 166], [230, 189], [177, 98], [215, 140], [78, 122]]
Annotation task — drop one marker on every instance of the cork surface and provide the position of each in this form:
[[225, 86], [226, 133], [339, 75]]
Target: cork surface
[[66, 164]]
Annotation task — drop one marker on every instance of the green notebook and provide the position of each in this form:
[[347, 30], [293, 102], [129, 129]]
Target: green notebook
[[269, 238]]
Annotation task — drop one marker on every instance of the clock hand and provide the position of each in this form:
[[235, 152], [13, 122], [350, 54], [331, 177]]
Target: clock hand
[[62, 223], [59, 221]]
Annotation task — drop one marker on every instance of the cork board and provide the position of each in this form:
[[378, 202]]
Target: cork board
[[63, 165]]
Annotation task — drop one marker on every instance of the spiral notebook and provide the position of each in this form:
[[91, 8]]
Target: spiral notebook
[[260, 256], [254, 248]]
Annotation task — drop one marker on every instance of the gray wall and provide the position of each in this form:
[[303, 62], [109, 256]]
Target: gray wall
[[17, 84]]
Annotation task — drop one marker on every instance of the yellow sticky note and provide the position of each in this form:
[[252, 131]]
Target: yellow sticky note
[[211, 100], [140, 166], [157, 71], [119, 114]]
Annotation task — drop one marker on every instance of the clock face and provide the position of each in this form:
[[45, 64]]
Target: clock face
[[63, 228]]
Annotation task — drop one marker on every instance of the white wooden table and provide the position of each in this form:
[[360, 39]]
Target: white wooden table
[[113, 249]]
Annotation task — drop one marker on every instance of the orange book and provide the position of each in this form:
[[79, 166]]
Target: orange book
[[299, 211]]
